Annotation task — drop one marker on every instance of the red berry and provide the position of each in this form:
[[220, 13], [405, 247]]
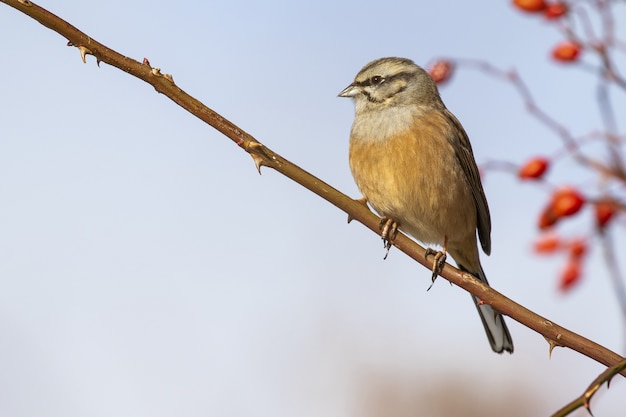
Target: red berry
[[570, 275], [441, 71], [555, 10], [547, 218], [533, 169], [547, 243], [604, 211], [577, 248], [566, 201], [530, 6], [567, 51]]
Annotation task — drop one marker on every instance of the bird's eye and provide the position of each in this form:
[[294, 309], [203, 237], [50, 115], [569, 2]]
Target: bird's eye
[[377, 79]]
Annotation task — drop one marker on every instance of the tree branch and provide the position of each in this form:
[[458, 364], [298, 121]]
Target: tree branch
[[585, 398], [263, 156]]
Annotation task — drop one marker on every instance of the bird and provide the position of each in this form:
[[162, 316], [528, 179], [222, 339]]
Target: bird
[[413, 163]]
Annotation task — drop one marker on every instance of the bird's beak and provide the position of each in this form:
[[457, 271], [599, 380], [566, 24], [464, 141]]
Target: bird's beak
[[350, 91]]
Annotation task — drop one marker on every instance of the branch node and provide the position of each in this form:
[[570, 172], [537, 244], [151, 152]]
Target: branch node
[[157, 72], [25, 3]]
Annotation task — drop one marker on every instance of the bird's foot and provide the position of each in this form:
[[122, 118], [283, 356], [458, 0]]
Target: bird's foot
[[388, 231], [438, 262]]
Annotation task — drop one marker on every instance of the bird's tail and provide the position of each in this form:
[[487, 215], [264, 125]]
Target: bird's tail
[[495, 327]]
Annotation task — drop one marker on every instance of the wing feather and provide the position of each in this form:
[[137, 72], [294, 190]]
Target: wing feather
[[464, 154]]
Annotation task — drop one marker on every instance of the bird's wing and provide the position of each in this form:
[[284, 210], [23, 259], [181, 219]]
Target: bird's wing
[[463, 149]]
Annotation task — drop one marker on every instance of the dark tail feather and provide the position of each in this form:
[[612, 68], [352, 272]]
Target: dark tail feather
[[495, 327]]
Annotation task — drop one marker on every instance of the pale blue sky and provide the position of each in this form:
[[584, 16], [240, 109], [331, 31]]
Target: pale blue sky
[[148, 270]]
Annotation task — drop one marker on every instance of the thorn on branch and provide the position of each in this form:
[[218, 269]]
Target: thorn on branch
[[258, 162], [361, 200], [83, 53], [256, 151], [553, 343]]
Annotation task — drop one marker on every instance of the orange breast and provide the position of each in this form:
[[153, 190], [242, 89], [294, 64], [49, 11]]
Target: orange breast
[[415, 178]]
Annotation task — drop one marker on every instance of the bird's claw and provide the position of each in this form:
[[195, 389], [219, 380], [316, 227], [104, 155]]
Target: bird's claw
[[388, 231], [438, 263]]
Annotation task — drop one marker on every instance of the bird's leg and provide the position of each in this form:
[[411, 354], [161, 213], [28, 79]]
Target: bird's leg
[[439, 261], [388, 231]]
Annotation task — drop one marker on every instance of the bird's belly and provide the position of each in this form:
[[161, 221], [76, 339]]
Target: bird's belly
[[417, 182]]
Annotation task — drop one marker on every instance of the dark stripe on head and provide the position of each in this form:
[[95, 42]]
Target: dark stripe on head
[[369, 97], [369, 82]]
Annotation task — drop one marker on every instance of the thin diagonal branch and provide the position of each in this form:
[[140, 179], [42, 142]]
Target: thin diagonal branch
[[263, 156]]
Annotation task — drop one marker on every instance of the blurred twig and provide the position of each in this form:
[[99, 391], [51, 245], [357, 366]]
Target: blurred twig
[[572, 145], [616, 277]]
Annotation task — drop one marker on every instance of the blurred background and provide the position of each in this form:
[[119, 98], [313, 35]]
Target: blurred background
[[147, 269]]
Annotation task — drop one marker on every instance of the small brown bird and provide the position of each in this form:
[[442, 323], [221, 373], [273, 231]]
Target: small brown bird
[[413, 162]]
